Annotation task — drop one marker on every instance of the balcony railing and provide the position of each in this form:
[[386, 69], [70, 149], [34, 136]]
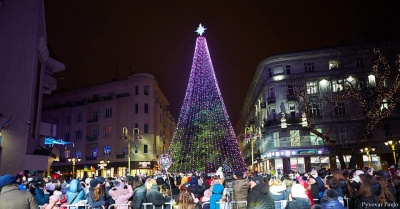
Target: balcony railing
[[91, 139], [120, 156], [91, 158], [94, 120], [271, 100]]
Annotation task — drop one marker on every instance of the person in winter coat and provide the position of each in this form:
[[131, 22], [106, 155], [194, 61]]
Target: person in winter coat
[[259, 196], [62, 200], [95, 196], [195, 188], [139, 195], [217, 189], [121, 195], [365, 195], [298, 198], [38, 190], [240, 189], [153, 195], [186, 199], [331, 201], [11, 197], [52, 203], [75, 192]]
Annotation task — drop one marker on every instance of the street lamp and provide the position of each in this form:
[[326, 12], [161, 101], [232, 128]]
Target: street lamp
[[368, 151], [73, 160], [393, 145], [129, 139]]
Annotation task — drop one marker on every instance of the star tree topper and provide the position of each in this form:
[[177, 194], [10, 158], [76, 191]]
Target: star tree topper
[[200, 30]]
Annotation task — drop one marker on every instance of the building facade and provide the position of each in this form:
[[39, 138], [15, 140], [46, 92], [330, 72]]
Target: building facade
[[273, 121], [25, 76], [96, 119]]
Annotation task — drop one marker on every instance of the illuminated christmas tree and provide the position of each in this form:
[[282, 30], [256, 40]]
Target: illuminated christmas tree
[[204, 139]]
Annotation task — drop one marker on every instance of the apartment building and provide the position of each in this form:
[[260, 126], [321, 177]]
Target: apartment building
[[273, 122], [99, 122]]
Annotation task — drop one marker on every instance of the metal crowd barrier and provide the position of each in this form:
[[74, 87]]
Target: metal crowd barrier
[[154, 206], [120, 206]]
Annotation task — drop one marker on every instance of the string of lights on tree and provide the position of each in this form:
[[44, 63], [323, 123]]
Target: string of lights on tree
[[380, 102], [204, 138]]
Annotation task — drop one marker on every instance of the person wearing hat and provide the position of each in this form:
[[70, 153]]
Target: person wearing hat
[[298, 199], [240, 188], [95, 197], [11, 197], [259, 196], [195, 188], [121, 195], [52, 203]]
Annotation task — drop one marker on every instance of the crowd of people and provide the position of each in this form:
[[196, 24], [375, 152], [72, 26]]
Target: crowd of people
[[358, 189]]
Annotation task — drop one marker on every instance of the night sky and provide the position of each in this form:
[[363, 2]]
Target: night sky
[[100, 41]]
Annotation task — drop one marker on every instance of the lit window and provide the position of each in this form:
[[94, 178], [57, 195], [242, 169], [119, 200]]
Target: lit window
[[78, 153], [315, 140], [94, 152], [371, 81], [275, 137], [294, 138], [333, 64], [107, 150], [107, 131], [309, 67], [336, 87], [67, 153], [312, 87], [384, 105]]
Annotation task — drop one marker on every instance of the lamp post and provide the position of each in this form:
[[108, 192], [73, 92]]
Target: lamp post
[[129, 139], [393, 145], [368, 151], [73, 160]]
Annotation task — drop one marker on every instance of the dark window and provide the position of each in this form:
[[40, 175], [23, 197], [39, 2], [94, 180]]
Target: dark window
[[146, 128], [146, 108], [146, 90], [136, 108], [309, 67], [360, 62], [288, 69], [136, 90], [146, 149]]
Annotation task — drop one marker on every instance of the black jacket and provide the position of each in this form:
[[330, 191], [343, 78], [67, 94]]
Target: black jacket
[[139, 197], [260, 198], [370, 202], [155, 197], [299, 203], [197, 190]]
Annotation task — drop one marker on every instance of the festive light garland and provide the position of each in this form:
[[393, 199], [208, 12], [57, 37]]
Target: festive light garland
[[204, 137]]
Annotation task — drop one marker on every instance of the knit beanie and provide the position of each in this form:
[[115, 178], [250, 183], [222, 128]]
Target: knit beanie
[[7, 180], [94, 183]]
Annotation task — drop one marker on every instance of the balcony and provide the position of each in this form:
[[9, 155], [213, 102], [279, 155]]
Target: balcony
[[108, 98], [123, 95], [120, 156], [94, 120], [271, 100], [91, 139], [91, 158]]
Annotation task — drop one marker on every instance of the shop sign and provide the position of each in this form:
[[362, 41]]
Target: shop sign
[[306, 152], [144, 164]]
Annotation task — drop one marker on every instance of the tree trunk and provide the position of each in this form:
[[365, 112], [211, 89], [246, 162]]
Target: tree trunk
[[354, 156], [340, 157]]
